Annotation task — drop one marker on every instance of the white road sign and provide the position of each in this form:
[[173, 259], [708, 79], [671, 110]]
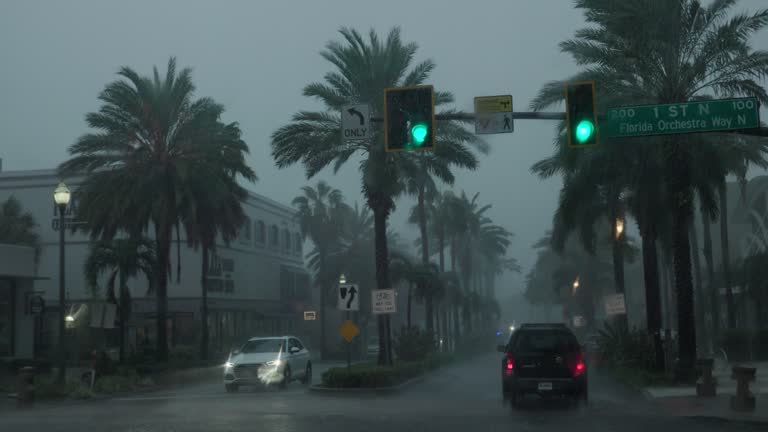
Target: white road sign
[[384, 301], [614, 304], [349, 297], [355, 122], [493, 114]]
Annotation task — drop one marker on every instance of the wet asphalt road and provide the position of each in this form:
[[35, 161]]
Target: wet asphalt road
[[463, 397]]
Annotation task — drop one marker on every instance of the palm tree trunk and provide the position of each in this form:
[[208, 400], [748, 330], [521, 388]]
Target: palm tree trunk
[[441, 246], [453, 254], [680, 186], [204, 304], [428, 301], [124, 300], [699, 292], [381, 208], [323, 301], [444, 323], [456, 326], [726, 255], [714, 303], [618, 256], [410, 299], [163, 240]]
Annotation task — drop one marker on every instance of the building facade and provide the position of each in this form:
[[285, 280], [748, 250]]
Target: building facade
[[20, 302], [256, 285]]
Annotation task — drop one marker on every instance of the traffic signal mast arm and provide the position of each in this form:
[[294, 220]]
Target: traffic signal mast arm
[[515, 115]]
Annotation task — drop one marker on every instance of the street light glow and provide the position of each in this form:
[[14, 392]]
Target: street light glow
[[619, 227], [61, 195], [575, 284]]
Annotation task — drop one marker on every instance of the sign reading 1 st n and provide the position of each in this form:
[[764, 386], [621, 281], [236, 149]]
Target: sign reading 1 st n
[[679, 118]]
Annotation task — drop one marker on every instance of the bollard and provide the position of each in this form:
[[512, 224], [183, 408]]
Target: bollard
[[744, 399], [25, 390], [706, 385]]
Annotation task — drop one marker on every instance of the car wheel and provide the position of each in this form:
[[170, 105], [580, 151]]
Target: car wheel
[[307, 380], [231, 388], [286, 377]]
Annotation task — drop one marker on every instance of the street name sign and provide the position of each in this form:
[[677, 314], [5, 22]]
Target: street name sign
[[493, 114], [679, 118], [348, 297], [355, 122], [384, 301]]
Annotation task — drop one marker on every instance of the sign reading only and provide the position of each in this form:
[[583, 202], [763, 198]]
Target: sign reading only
[[679, 118]]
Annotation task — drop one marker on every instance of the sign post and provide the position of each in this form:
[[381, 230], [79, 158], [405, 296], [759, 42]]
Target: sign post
[[682, 118], [493, 114]]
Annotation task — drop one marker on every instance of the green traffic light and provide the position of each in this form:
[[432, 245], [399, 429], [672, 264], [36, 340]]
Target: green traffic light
[[419, 133], [584, 131]]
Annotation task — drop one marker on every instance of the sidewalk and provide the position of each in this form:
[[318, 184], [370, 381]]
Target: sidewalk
[[682, 400]]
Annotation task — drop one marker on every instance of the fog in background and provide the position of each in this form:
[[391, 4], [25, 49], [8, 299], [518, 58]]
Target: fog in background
[[255, 58]]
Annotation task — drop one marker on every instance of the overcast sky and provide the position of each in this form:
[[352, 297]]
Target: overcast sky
[[256, 56]]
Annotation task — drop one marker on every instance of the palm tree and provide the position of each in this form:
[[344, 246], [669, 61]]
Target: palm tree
[[321, 213], [18, 227], [122, 259], [421, 183], [363, 70], [149, 141], [211, 205], [656, 51]]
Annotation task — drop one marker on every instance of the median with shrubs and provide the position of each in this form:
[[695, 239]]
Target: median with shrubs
[[415, 354]]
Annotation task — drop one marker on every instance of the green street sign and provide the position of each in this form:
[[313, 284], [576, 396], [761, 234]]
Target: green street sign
[[680, 118]]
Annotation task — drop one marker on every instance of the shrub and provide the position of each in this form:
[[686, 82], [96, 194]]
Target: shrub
[[413, 344], [372, 376], [621, 347]]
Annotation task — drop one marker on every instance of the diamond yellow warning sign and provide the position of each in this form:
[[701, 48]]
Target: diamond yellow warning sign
[[348, 330]]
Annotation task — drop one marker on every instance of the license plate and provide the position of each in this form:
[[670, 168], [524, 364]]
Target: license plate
[[545, 386]]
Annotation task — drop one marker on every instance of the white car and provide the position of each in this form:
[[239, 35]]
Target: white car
[[268, 360]]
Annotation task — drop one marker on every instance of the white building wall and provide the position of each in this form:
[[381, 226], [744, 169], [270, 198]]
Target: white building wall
[[256, 272]]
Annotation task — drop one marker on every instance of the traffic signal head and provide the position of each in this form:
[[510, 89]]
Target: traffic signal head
[[409, 118], [581, 114]]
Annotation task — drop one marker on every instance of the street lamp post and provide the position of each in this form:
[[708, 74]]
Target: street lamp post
[[342, 281], [575, 285], [61, 197]]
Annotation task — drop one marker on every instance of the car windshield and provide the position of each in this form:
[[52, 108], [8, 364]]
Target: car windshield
[[263, 346], [545, 341]]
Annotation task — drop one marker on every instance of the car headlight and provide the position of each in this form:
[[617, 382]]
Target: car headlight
[[229, 365], [274, 363]]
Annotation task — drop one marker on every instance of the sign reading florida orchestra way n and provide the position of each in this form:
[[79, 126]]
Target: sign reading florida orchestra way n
[[679, 118]]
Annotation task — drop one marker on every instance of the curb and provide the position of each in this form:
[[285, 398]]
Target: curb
[[744, 421], [357, 391], [375, 390]]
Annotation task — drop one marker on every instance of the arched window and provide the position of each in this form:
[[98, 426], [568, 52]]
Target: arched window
[[297, 243], [274, 233], [261, 232], [246, 231], [286, 239]]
